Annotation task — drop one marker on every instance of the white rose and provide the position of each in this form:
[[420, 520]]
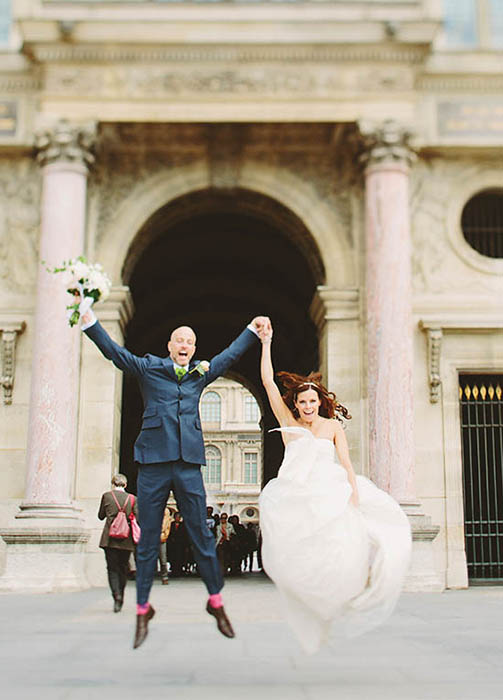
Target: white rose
[[81, 270]]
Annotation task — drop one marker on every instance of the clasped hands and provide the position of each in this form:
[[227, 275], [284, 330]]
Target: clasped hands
[[263, 326]]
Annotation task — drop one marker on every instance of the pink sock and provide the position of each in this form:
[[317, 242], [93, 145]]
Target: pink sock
[[142, 609], [216, 600]]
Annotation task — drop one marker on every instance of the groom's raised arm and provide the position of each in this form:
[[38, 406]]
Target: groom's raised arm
[[225, 359], [122, 358]]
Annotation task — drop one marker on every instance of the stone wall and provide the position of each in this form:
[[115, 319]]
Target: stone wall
[[313, 172]]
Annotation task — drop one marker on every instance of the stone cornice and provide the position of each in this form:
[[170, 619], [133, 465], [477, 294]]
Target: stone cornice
[[435, 326], [96, 53], [463, 324]]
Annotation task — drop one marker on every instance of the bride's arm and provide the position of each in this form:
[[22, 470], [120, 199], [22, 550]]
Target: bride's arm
[[279, 408], [343, 451]]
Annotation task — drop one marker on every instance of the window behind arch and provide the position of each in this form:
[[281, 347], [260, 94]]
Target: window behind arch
[[250, 467], [212, 470], [482, 223], [252, 412], [211, 407]]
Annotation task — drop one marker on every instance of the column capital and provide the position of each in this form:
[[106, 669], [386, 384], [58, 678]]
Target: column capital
[[329, 304], [118, 308], [66, 143], [385, 143]]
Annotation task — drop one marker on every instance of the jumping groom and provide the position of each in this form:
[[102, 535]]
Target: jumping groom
[[169, 451]]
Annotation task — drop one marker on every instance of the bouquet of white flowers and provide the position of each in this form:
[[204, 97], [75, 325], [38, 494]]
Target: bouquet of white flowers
[[87, 283]]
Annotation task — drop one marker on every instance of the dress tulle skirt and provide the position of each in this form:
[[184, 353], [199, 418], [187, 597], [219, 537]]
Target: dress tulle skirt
[[331, 562]]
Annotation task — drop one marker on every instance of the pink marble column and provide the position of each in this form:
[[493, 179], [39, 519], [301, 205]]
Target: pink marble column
[[389, 310], [64, 154]]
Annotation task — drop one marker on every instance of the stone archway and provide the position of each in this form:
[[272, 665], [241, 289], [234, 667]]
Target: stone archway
[[213, 259]]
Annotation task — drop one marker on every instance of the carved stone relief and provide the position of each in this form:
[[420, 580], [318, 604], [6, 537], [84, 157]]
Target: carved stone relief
[[268, 80], [19, 224], [436, 267]]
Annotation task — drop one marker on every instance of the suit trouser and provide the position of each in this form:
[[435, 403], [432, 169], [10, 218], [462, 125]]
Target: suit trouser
[[155, 482], [117, 560]]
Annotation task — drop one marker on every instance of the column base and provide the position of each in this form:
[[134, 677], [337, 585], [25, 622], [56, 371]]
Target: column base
[[44, 559], [62, 511], [423, 574]]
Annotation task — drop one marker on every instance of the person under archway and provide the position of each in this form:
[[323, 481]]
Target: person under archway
[[170, 451]]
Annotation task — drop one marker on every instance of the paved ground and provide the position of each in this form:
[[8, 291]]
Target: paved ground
[[71, 646]]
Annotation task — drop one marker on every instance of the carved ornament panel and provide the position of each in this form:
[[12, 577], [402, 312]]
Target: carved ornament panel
[[270, 81], [19, 224], [437, 268]]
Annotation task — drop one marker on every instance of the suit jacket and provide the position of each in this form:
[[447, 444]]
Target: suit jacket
[[108, 509], [171, 427]]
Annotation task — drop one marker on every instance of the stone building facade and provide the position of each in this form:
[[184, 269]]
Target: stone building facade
[[233, 474], [327, 163]]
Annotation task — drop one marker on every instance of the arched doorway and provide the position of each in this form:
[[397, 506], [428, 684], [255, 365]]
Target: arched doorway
[[213, 260]]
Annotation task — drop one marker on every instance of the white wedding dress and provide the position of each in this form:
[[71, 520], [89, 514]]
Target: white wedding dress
[[330, 561]]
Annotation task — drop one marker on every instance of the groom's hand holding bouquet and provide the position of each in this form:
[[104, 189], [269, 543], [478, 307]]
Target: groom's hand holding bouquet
[[87, 283]]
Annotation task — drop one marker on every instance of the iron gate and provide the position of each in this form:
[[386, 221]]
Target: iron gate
[[482, 443]]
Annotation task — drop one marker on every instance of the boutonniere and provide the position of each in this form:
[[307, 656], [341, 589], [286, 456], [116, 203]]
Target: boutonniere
[[202, 368]]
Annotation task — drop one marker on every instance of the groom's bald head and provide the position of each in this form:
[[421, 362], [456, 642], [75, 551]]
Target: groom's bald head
[[182, 345], [185, 331]]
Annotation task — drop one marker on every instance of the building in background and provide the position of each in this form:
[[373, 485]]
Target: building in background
[[230, 417], [334, 164]]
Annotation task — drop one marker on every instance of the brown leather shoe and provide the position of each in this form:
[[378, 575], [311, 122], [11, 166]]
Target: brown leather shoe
[[223, 622], [142, 627]]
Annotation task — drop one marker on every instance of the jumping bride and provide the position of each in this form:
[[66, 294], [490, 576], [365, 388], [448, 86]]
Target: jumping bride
[[335, 545]]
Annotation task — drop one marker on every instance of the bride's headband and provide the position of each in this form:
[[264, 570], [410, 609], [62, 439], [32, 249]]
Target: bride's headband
[[307, 384]]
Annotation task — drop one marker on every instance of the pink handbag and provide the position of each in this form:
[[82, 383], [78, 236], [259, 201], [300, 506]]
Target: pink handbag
[[135, 528]]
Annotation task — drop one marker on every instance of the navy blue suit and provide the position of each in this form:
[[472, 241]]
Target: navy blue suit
[[170, 450]]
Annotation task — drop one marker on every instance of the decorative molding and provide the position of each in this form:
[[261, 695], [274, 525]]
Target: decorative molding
[[386, 142], [19, 83], [411, 55], [49, 536], [66, 142], [118, 307], [436, 328], [434, 339], [212, 77], [330, 304], [9, 330], [460, 83]]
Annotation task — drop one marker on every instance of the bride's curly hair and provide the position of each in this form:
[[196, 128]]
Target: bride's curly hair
[[295, 384]]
